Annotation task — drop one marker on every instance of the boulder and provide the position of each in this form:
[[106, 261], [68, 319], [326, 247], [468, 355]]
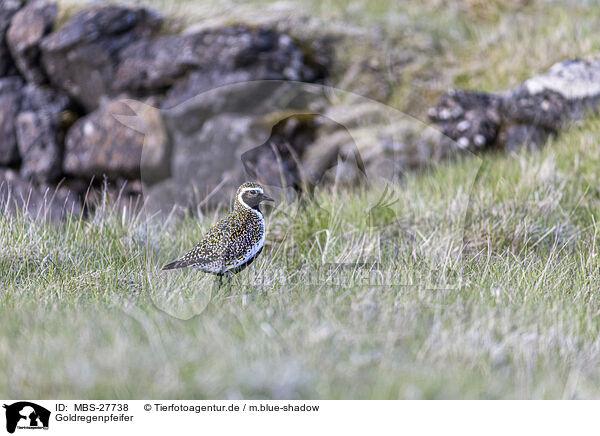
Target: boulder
[[40, 132], [153, 64], [255, 98], [8, 8], [576, 81], [38, 146], [44, 98], [220, 57], [82, 57], [156, 150], [541, 106], [98, 144], [210, 158], [472, 119], [546, 109], [28, 26], [10, 104], [515, 136]]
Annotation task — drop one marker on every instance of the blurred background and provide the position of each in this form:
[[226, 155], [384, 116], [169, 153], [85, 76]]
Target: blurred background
[[160, 98]]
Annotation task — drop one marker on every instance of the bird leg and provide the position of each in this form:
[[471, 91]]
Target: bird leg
[[220, 281], [228, 275]]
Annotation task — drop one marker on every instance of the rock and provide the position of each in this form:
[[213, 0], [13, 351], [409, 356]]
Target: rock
[[82, 57], [210, 158], [156, 151], [40, 133], [32, 128], [255, 98], [98, 144], [8, 8], [44, 98], [10, 98], [575, 80], [220, 57], [279, 160], [385, 151], [547, 109], [366, 141], [207, 167], [29, 25], [286, 135], [48, 202], [472, 119], [38, 145], [541, 106], [154, 64]]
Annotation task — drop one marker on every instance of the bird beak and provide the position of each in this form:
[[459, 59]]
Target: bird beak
[[266, 198]]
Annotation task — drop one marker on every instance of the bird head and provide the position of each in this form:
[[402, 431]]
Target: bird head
[[250, 195]]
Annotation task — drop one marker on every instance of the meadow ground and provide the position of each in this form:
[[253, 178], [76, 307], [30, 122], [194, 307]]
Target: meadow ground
[[480, 281], [515, 313]]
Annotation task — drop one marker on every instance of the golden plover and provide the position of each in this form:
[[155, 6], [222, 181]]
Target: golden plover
[[234, 242]]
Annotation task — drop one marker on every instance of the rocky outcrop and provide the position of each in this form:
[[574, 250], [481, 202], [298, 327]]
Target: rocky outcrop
[[287, 135], [8, 8], [238, 148], [370, 141], [28, 26], [526, 115], [82, 57], [32, 127], [10, 101], [71, 113], [106, 97], [187, 117], [240, 54], [217, 56]]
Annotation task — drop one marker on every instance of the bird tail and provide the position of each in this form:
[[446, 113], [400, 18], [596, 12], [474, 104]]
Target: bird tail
[[184, 262], [174, 265]]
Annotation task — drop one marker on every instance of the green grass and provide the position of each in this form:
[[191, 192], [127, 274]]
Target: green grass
[[494, 300], [480, 281]]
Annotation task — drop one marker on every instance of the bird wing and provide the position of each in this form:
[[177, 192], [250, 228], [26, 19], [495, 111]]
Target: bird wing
[[211, 251]]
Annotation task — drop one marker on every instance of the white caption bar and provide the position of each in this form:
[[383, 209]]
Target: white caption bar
[[266, 417]]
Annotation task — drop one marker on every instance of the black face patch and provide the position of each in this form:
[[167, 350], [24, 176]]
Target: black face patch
[[252, 198]]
